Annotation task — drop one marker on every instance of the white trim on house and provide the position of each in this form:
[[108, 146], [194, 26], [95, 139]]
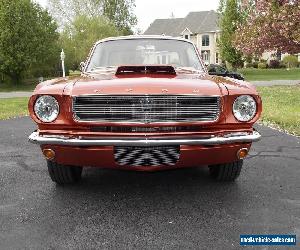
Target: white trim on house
[[186, 34], [186, 30]]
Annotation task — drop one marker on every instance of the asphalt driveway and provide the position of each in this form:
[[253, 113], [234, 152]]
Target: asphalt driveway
[[182, 209]]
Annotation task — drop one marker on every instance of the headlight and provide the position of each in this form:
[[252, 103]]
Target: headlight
[[244, 108], [46, 108]]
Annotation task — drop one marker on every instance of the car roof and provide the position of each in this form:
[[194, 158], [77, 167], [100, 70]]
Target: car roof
[[135, 37]]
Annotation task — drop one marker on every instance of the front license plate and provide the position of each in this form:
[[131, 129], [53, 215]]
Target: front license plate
[[147, 156]]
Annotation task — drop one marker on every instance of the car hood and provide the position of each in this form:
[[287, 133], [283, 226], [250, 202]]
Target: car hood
[[191, 84], [196, 84], [238, 87]]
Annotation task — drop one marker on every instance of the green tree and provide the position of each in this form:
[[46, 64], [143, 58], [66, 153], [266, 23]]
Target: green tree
[[28, 37], [118, 12], [231, 16], [78, 37]]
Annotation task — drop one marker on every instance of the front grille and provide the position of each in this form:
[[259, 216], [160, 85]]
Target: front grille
[[147, 156], [133, 129], [146, 108]]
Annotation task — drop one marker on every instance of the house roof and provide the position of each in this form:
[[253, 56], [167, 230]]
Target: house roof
[[169, 27], [197, 22]]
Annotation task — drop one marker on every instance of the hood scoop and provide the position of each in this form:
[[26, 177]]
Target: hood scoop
[[146, 70]]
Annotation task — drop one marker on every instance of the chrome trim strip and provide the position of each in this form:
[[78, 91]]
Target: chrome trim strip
[[142, 141]]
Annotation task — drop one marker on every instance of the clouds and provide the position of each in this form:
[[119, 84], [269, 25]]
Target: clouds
[[42, 2]]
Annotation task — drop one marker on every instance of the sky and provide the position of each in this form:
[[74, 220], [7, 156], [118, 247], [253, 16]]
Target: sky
[[149, 10]]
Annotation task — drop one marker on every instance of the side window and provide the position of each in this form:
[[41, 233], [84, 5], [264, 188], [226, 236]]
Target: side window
[[205, 40]]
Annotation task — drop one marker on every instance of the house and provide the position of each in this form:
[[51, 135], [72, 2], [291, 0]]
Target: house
[[273, 55], [200, 27]]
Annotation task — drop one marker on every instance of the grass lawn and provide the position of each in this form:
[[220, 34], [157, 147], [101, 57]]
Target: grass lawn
[[281, 107], [21, 87], [13, 107], [270, 74]]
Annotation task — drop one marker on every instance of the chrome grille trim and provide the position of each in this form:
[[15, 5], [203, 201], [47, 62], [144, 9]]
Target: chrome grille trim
[[146, 108]]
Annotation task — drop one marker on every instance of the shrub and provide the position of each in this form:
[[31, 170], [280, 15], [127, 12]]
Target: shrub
[[290, 61], [248, 59], [248, 65], [262, 65], [274, 64], [255, 65], [282, 65], [228, 65]]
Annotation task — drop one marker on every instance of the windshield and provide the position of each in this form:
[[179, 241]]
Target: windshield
[[179, 54]]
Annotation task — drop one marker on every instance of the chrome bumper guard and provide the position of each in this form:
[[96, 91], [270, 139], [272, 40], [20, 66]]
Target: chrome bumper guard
[[143, 141]]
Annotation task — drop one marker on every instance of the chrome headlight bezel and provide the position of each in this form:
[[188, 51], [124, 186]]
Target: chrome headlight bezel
[[46, 108], [244, 108]]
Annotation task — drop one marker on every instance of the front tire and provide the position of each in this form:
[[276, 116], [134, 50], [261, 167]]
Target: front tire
[[227, 171], [62, 174]]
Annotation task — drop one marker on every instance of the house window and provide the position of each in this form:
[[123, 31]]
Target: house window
[[205, 40], [186, 37], [205, 56]]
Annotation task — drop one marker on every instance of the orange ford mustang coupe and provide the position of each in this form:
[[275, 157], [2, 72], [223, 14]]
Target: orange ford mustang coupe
[[144, 103]]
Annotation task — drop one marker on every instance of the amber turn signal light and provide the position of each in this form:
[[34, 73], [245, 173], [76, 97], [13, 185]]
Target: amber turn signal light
[[49, 154], [242, 153]]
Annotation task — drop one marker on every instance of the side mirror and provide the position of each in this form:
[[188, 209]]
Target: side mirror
[[82, 66]]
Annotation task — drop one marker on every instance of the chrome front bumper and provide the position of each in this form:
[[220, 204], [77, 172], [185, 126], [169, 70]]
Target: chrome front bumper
[[143, 141]]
